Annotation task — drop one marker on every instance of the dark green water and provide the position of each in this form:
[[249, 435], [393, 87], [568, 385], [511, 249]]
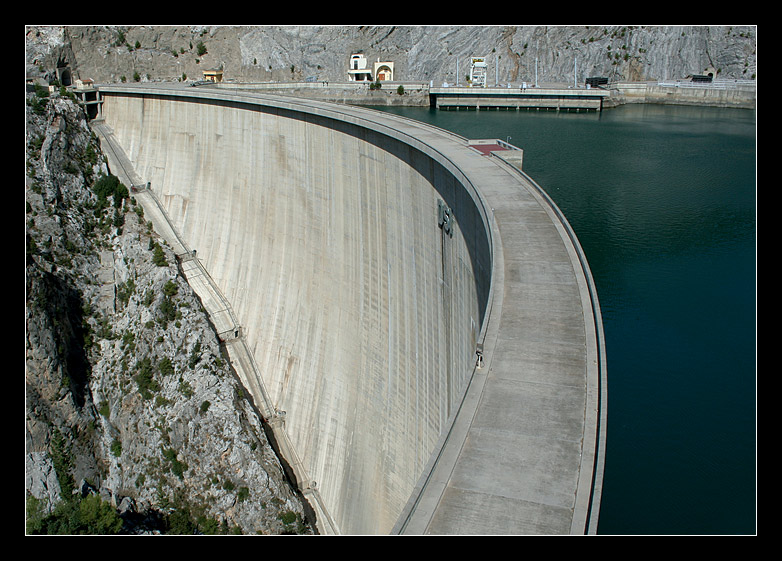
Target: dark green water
[[663, 201]]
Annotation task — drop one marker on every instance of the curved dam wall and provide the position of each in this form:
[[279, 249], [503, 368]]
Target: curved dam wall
[[361, 311]]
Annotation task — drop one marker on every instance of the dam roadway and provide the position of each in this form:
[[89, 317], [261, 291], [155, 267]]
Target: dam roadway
[[414, 318]]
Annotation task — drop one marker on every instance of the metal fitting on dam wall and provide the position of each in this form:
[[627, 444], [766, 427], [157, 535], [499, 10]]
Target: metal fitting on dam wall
[[388, 281]]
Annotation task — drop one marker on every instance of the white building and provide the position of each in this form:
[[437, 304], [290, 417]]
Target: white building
[[359, 71], [478, 72]]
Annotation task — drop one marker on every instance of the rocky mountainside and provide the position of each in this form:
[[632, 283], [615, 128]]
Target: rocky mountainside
[[135, 421], [419, 53]]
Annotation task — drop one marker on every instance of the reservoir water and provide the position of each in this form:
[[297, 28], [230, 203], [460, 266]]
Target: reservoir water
[[663, 201]]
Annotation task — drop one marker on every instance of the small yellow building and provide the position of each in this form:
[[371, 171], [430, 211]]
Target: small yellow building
[[213, 76], [384, 71], [85, 84]]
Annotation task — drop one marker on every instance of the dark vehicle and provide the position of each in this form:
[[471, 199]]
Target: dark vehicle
[[596, 82]]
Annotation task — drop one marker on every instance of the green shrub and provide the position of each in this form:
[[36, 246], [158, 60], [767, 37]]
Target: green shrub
[[170, 288], [287, 517], [177, 467], [165, 366], [158, 256], [87, 516], [110, 186], [116, 448], [167, 309], [185, 388], [144, 378], [60, 453], [195, 355]]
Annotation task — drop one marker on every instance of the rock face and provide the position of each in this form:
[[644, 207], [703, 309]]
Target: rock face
[[419, 53], [128, 393]]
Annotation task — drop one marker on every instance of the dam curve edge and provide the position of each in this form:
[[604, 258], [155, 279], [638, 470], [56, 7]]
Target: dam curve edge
[[429, 375]]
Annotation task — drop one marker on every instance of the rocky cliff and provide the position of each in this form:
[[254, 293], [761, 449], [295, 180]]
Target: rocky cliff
[[419, 53], [135, 421]]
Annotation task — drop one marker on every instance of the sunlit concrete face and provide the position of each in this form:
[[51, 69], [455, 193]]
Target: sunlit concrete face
[[361, 310]]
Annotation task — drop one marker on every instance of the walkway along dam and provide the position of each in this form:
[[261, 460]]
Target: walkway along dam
[[414, 317]]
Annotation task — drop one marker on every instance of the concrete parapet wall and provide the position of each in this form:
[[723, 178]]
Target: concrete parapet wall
[[355, 93], [362, 314], [684, 94]]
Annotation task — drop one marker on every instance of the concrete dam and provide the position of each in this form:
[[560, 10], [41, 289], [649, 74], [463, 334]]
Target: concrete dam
[[413, 316]]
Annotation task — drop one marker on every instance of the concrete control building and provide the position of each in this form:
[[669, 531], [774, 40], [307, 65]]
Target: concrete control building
[[413, 316]]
